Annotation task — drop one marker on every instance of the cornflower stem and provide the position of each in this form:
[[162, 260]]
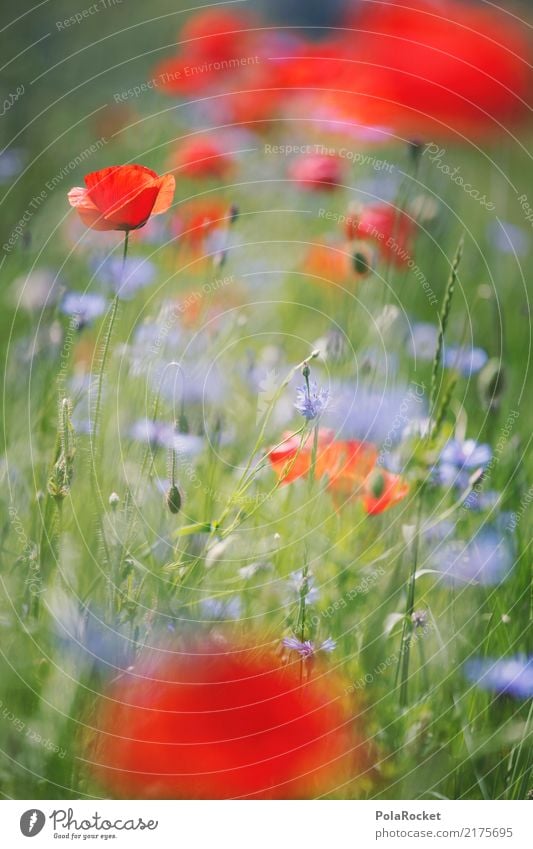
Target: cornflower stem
[[314, 453], [259, 441]]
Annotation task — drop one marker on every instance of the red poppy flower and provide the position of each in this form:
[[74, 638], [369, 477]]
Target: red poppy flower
[[317, 171], [197, 220], [350, 466], [224, 722], [328, 262], [392, 229], [217, 34], [122, 197], [202, 157], [314, 67], [215, 43], [445, 67]]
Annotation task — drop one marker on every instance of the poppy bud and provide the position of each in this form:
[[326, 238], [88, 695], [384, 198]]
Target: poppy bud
[[233, 213], [362, 259], [114, 500], [174, 499], [414, 147], [376, 484]]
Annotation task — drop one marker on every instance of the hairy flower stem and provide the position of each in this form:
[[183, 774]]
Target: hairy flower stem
[[107, 342], [98, 407]]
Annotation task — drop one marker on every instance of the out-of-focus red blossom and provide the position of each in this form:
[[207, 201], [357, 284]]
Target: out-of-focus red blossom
[[207, 311], [447, 67], [214, 45], [350, 466], [422, 67], [328, 263], [217, 34], [200, 157], [122, 197], [315, 66], [223, 722], [255, 98], [198, 219], [392, 229], [317, 171]]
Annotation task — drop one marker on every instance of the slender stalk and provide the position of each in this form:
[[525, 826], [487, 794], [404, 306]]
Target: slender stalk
[[107, 342], [443, 322], [410, 606]]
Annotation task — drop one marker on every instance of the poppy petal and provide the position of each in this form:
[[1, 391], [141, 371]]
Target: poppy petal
[[111, 189], [87, 211], [167, 187]]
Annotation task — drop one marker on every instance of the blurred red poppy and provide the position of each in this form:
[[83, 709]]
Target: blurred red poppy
[[331, 263], [200, 157], [392, 229], [350, 466], [122, 197], [224, 722], [217, 34], [218, 45], [442, 67], [317, 171], [198, 220]]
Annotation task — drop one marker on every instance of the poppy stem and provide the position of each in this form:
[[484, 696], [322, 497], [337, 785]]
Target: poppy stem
[[107, 341]]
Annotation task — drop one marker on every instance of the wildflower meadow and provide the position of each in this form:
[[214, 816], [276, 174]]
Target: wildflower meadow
[[266, 481]]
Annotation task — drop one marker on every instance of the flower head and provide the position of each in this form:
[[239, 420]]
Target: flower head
[[510, 675], [349, 466], [459, 459], [223, 722], [312, 401], [303, 586], [391, 229], [85, 306], [202, 156], [467, 361], [316, 171], [486, 559], [306, 648], [122, 197]]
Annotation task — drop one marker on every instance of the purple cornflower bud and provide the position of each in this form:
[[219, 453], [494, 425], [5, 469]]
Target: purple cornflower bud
[[419, 618], [306, 648]]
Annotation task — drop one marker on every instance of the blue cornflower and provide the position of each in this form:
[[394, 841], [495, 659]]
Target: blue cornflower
[[127, 279], [221, 609], [164, 435], [467, 361], [486, 559], [510, 675], [509, 238], [307, 648], [459, 459], [422, 341], [312, 401], [86, 306], [371, 414]]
